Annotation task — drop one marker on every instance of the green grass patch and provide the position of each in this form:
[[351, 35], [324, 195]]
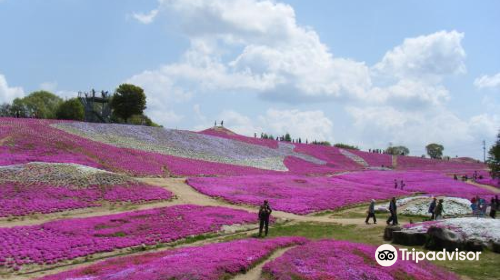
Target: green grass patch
[[487, 268]]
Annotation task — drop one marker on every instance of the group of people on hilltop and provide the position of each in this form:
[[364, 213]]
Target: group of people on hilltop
[[479, 206], [377, 151]]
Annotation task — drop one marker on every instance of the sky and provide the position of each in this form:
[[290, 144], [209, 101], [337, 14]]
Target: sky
[[366, 73]]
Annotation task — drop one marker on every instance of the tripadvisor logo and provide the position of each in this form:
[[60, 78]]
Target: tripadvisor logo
[[387, 255]]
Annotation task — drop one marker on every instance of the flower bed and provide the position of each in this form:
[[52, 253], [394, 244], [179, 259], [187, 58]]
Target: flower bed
[[48, 187], [373, 159], [213, 261], [61, 240], [417, 182], [331, 155], [418, 163], [330, 259], [294, 194], [452, 206]]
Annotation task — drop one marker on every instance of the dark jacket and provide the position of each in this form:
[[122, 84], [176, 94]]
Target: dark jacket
[[393, 207], [439, 209], [432, 206], [265, 211], [371, 208]]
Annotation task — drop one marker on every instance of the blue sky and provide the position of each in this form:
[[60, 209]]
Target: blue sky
[[368, 73]]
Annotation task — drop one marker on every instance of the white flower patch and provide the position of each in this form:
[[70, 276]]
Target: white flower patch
[[484, 230]]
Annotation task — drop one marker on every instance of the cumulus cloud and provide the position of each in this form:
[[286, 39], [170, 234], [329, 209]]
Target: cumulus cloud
[[429, 57], [258, 46], [7, 93], [421, 128], [486, 81], [273, 55]]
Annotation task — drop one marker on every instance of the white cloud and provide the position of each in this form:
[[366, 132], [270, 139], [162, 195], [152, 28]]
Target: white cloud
[[146, 18], [312, 125], [7, 93], [486, 81], [274, 56], [417, 129], [429, 57]]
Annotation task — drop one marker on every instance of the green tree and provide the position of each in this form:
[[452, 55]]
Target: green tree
[[435, 150], [40, 104], [287, 137], [71, 109], [494, 158], [128, 100], [398, 150]]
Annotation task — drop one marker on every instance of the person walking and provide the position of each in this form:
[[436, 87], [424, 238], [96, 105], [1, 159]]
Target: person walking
[[432, 208], [371, 213], [439, 210], [264, 214], [393, 209]]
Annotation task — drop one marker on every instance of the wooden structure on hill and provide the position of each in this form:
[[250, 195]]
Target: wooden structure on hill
[[97, 106]]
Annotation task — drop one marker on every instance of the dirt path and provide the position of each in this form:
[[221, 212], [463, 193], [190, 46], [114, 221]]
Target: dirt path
[[486, 187], [188, 195], [255, 272], [184, 194]]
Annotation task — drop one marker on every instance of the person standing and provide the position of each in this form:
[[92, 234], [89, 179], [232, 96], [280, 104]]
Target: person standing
[[493, 208], [264, 214], [439, 210], [402, 184], [371, 213], [395, 183], [432, 208], [393, 209]]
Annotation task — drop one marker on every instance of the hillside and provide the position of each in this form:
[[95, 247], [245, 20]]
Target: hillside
[[151, 151]]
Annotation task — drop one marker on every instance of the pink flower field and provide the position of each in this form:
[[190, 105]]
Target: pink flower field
[[19, 199], [431, 183], [304, 195], [61, 240], [48, 187], [343, 260], [213, 261], [294, 194]]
